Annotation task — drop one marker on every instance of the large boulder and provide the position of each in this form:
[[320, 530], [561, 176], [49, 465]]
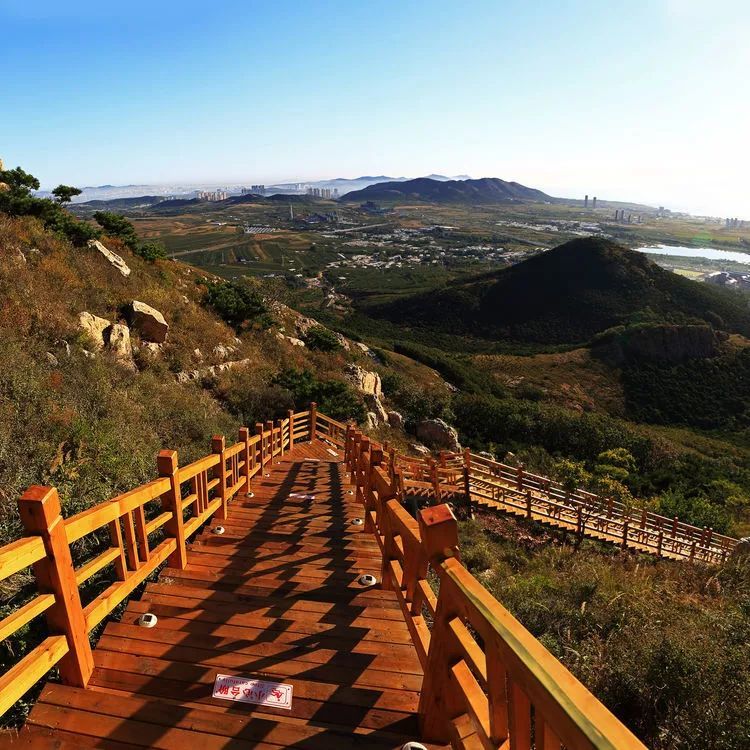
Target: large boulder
[[438, 434], [94, 327], [149, 323], [365, 381], [113, 258]]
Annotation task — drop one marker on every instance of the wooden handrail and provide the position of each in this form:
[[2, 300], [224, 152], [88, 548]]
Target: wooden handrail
[[203, 489], [486, 678]]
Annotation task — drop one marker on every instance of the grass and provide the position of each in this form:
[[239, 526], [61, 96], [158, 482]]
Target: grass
[[665, 646]]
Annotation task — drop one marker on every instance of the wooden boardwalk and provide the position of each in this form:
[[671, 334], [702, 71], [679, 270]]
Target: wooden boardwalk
[[276, 597]]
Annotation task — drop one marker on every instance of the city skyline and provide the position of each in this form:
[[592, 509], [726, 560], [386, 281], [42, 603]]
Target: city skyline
[[646, 106]]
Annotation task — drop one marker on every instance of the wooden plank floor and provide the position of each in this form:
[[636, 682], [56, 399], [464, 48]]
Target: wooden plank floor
[[277, 598]]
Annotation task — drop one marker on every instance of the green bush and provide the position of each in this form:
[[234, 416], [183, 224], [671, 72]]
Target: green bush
[[237, 303], [322, 339], [151, 251], [335, 398]]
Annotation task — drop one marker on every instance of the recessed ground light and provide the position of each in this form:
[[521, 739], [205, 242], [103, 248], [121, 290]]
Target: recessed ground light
[[413, 746], [367, 580], [357, 521], [147, 620], [268, 474], [251, 494], [218, 530], [350, 492]]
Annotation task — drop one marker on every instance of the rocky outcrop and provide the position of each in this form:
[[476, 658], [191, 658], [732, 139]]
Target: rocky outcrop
[[112, 258], [664, 344], [94, 327], [395, 419], [375, 407], [438, 434], [149, 322], [364, 381], [742, 549]]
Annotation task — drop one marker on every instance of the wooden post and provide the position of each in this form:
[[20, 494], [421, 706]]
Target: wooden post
[[281, 437], [435, 479], [40, 514], [218, 446], [519, 477], [313, 420], [171, 501], [261, 447], [272, 445], [438, 700], [244, 437], [625, 534], [528, 503], [659, 542], [439, 533], [290, 415], [674, 528], [709, 536], [467, 481], [643, 518]]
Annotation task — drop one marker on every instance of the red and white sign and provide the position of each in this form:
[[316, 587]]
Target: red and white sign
[[247, 690]]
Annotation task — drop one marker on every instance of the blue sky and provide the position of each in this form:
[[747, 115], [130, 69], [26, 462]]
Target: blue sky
[[647, 101]]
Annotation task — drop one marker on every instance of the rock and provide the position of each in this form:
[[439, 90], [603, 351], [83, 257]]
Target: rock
[[365, 381], [304, 324], [117, 339], [395, 419], [742, 548], [150, 323], [187, 376], [152, 350], [374, 405], [343, 342], [293, 341], [185, 299], [486, 454], [420, 449], [362, 347], [198, 354], [52, 359], [94, 328], [438, 434], [221, 351], [371, 420], [111, 257]]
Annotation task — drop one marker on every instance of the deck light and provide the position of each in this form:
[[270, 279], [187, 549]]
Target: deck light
[[357, 521], [218, 530], [147, 620], [368, 580]]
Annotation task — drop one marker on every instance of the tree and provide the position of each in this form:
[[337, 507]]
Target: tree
[[65, 193], [118, 226], [152, 251], [19, 182], [237, 302]]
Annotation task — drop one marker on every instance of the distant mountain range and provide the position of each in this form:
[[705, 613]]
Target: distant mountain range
[[568, 295], [482, 191], [347, 185]]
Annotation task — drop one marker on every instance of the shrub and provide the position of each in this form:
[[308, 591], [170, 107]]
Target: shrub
[[118, 226], [152, 251], [322, 339], [237, 303], [335, 398]]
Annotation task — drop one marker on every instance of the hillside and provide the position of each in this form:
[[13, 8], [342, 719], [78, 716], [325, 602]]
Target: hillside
[[567, 295], [485, 190]]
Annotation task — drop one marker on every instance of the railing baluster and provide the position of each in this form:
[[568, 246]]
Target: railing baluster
[[171, 501]]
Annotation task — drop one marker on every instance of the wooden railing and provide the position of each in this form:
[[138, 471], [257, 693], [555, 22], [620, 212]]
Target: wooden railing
[[134, 533], [487, 681], [479, 481]]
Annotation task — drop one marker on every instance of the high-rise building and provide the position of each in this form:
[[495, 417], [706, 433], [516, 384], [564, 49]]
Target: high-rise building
[[594, 202], [586, 202]]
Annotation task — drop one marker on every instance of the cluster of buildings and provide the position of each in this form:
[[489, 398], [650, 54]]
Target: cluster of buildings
[[253, 190], [586, 202], [329, 193], [729, 279], [734, 223], [211, 195]]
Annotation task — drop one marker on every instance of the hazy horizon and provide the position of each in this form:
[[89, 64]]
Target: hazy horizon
[[646, 106]]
